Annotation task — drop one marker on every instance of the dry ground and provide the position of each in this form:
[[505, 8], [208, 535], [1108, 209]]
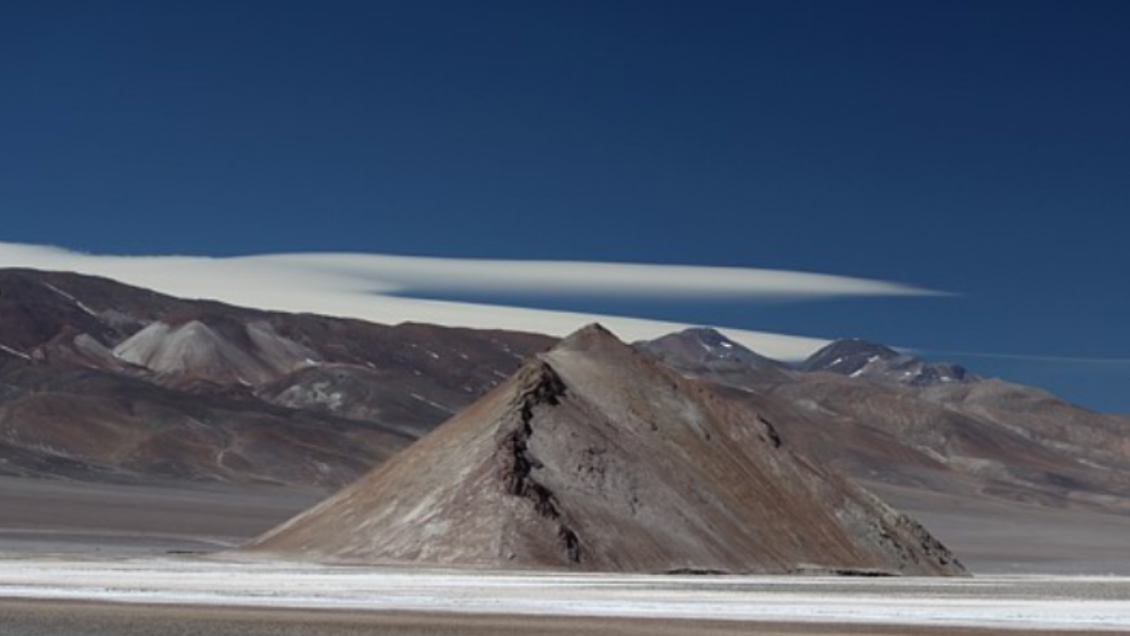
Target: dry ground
[[996, 536], [40, 618], [59, 516], [62, 516]]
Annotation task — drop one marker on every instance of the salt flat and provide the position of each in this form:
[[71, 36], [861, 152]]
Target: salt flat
[[997, 602]]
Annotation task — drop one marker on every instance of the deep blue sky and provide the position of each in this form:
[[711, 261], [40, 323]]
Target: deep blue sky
[[976, 147]]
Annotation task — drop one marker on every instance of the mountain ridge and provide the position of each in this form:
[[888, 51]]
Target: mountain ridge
[[984, 437], [202, 391], [593, 456]]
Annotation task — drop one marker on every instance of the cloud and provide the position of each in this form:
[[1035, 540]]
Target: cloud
[[580, 278], [1022, 357], [368, 286]]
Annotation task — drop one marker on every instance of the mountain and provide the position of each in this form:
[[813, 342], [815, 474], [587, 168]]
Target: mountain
[[862, 359], [103, 381], [890, 418], [709, 353], [595, 457]]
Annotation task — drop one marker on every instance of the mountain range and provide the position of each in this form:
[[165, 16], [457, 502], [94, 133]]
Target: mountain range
[[103, 382], [890, 417]]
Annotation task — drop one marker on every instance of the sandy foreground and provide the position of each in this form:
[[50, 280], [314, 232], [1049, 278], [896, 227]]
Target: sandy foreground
[[41, 618], [46, 595]]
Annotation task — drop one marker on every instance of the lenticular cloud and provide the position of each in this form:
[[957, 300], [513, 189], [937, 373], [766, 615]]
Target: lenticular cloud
[[371, 287]]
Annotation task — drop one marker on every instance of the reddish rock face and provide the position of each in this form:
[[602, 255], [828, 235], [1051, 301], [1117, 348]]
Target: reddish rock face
[[596, 457]]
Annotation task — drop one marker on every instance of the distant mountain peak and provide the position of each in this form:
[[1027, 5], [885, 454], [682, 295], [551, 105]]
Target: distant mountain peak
[[847, 356], [706, 346], [862, 359], [712, 339], [589, 335]]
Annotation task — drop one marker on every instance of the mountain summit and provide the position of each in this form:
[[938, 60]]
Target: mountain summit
[[859, 358], [702, 352], [596, 457]]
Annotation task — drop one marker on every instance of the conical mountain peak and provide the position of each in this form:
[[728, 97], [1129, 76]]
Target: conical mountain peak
[[597, 458], [590, 336]]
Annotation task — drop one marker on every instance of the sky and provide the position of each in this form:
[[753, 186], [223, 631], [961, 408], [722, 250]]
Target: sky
[[979, 148]]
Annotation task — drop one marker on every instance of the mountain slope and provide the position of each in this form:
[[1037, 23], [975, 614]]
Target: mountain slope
[[961, 435], [594, 457], [102, 381]]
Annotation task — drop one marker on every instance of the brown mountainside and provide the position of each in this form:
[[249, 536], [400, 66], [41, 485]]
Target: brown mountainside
[[103, 381], [595, 457], [967, 436]]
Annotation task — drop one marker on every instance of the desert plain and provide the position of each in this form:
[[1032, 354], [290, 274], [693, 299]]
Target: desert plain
[[114, 560]]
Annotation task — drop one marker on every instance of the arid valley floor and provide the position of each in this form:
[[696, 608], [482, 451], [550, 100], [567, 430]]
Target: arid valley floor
[[62, 575]]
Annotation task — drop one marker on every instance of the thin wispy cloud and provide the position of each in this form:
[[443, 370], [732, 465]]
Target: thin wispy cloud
[[372, 287], [1021, 357]]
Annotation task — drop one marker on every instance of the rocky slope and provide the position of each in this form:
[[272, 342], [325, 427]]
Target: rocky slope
[[595, 457], [886, 417], [103, 381]]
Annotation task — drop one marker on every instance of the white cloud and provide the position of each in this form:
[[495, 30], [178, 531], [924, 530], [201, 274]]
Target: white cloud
[[364, 286], [585, 278]]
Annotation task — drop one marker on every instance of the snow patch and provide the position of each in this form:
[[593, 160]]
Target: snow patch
[[433, 404], [15, 352], [78, 303]]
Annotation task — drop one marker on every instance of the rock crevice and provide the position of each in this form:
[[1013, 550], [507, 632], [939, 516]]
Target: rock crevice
[[540, 386]]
